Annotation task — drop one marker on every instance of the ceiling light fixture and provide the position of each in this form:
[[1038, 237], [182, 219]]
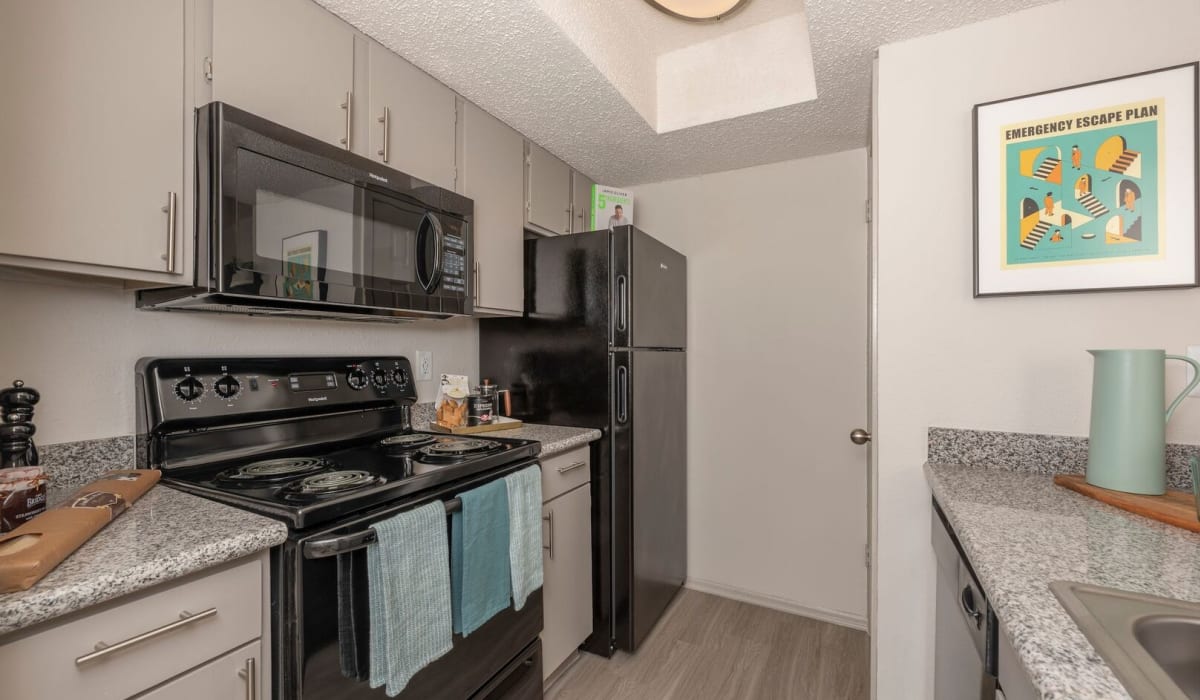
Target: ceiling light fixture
[[699, 10]]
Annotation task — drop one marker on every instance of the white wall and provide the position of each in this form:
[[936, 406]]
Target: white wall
[[776, 377], [77, 345], [999, 363]]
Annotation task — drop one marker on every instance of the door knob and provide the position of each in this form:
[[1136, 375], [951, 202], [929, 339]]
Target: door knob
[[859, 436]]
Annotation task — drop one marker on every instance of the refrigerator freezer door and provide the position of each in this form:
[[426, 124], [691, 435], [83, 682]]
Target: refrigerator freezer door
[[649, 292], [650, 488]]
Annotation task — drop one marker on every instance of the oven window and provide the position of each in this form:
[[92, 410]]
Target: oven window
[[310, 236]]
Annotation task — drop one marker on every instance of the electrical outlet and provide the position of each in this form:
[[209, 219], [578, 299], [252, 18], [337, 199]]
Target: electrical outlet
[[424, 365]]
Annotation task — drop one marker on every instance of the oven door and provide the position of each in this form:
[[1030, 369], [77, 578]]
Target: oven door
[[299, 220], [321, 624]]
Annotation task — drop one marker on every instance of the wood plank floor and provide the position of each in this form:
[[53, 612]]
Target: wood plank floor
[[712, 648]]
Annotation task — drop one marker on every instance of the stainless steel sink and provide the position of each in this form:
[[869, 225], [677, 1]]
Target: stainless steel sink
[[1151, 643], [1174, 642]]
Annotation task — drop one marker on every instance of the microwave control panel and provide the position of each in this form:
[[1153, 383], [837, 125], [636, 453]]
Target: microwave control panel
[[454, 263]]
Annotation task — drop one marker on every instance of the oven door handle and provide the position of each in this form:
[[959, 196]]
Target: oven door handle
[[333, 546]]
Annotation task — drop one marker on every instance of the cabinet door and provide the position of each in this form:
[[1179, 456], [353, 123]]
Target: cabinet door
[[289, 61], [548, 191], [224, 677], [411, 118], [581, 202], [491, 176], [93, 123], [567, 589]]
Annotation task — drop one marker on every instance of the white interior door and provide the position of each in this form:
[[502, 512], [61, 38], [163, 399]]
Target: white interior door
[[872, 360]]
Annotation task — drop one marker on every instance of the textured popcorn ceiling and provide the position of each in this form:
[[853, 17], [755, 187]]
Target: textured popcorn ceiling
[[511, 58]]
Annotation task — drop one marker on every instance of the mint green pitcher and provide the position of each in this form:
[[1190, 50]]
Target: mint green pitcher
[[1127, 442]]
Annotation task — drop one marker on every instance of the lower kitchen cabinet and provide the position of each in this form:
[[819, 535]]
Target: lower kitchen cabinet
[[229, 676], [567, 562], [199, 637], [1014, 683]]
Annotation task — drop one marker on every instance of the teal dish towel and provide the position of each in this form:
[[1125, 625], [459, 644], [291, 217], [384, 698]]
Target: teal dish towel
[[525, 532], [481, 584], [409, 595]]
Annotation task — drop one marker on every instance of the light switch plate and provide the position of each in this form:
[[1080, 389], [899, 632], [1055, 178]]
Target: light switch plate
[[425, 365], [1193, 351]]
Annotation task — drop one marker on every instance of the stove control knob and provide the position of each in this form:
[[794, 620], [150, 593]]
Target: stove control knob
[[189, 389], [227, 387], [400, 377], [380, 378], [357, 379]]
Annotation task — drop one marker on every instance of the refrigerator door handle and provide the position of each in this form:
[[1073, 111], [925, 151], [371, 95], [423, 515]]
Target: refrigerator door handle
[[622, 394], [622, 303]]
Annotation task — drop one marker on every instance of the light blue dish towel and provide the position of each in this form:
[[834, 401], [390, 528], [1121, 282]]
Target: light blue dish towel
[[480, 582], [525, 532], [409, 594]]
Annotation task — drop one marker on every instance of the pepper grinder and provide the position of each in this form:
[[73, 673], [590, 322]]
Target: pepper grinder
[[16, 426]]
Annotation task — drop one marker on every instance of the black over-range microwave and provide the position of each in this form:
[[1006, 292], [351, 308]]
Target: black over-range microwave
[[289, 224]]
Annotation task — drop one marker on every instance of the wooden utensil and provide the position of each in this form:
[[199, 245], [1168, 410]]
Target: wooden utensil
[[1176, 508]]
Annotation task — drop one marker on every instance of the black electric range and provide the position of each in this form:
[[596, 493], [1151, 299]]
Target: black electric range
[[326, 445]]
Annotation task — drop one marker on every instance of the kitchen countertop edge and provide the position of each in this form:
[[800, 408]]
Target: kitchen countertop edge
[[136, 552]]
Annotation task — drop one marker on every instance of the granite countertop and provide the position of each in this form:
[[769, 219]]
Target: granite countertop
[[1021, 532], [555, 439], [164, 535]]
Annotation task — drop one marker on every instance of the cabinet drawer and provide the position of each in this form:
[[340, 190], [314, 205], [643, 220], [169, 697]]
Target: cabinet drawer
[[223, 678], [566, 471], [225, 608]]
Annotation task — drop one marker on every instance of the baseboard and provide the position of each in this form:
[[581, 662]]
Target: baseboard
[[776, 603]]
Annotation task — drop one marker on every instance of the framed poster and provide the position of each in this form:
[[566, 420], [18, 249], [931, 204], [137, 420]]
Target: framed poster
[[1088, 188], [303, 258]]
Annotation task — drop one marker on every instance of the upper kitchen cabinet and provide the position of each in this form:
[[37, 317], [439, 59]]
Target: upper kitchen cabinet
[[410, 117], [92, 163], [491, 154], [547, 192], [289, 61], [581, 202]]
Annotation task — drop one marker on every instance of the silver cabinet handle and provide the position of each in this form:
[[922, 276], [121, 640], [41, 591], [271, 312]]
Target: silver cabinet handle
[[250, 674], [348, 105], [570, 219], [550, 519], [170, 211], [571, 467], [478, 275], [386, 120], [103, 649]]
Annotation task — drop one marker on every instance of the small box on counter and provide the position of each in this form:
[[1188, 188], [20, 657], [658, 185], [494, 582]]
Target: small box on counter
[[22, 496], [32, 550]]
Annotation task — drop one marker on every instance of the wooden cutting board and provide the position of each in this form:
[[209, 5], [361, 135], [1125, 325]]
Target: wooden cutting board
[[502, 423], [1176, 508]]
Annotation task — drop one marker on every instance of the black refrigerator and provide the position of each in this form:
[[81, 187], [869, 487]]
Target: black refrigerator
[[602, 343]]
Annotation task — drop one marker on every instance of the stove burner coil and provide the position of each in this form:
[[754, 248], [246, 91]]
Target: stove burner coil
[[459, 447], [332, 482], [407, 441], [273, 469]]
